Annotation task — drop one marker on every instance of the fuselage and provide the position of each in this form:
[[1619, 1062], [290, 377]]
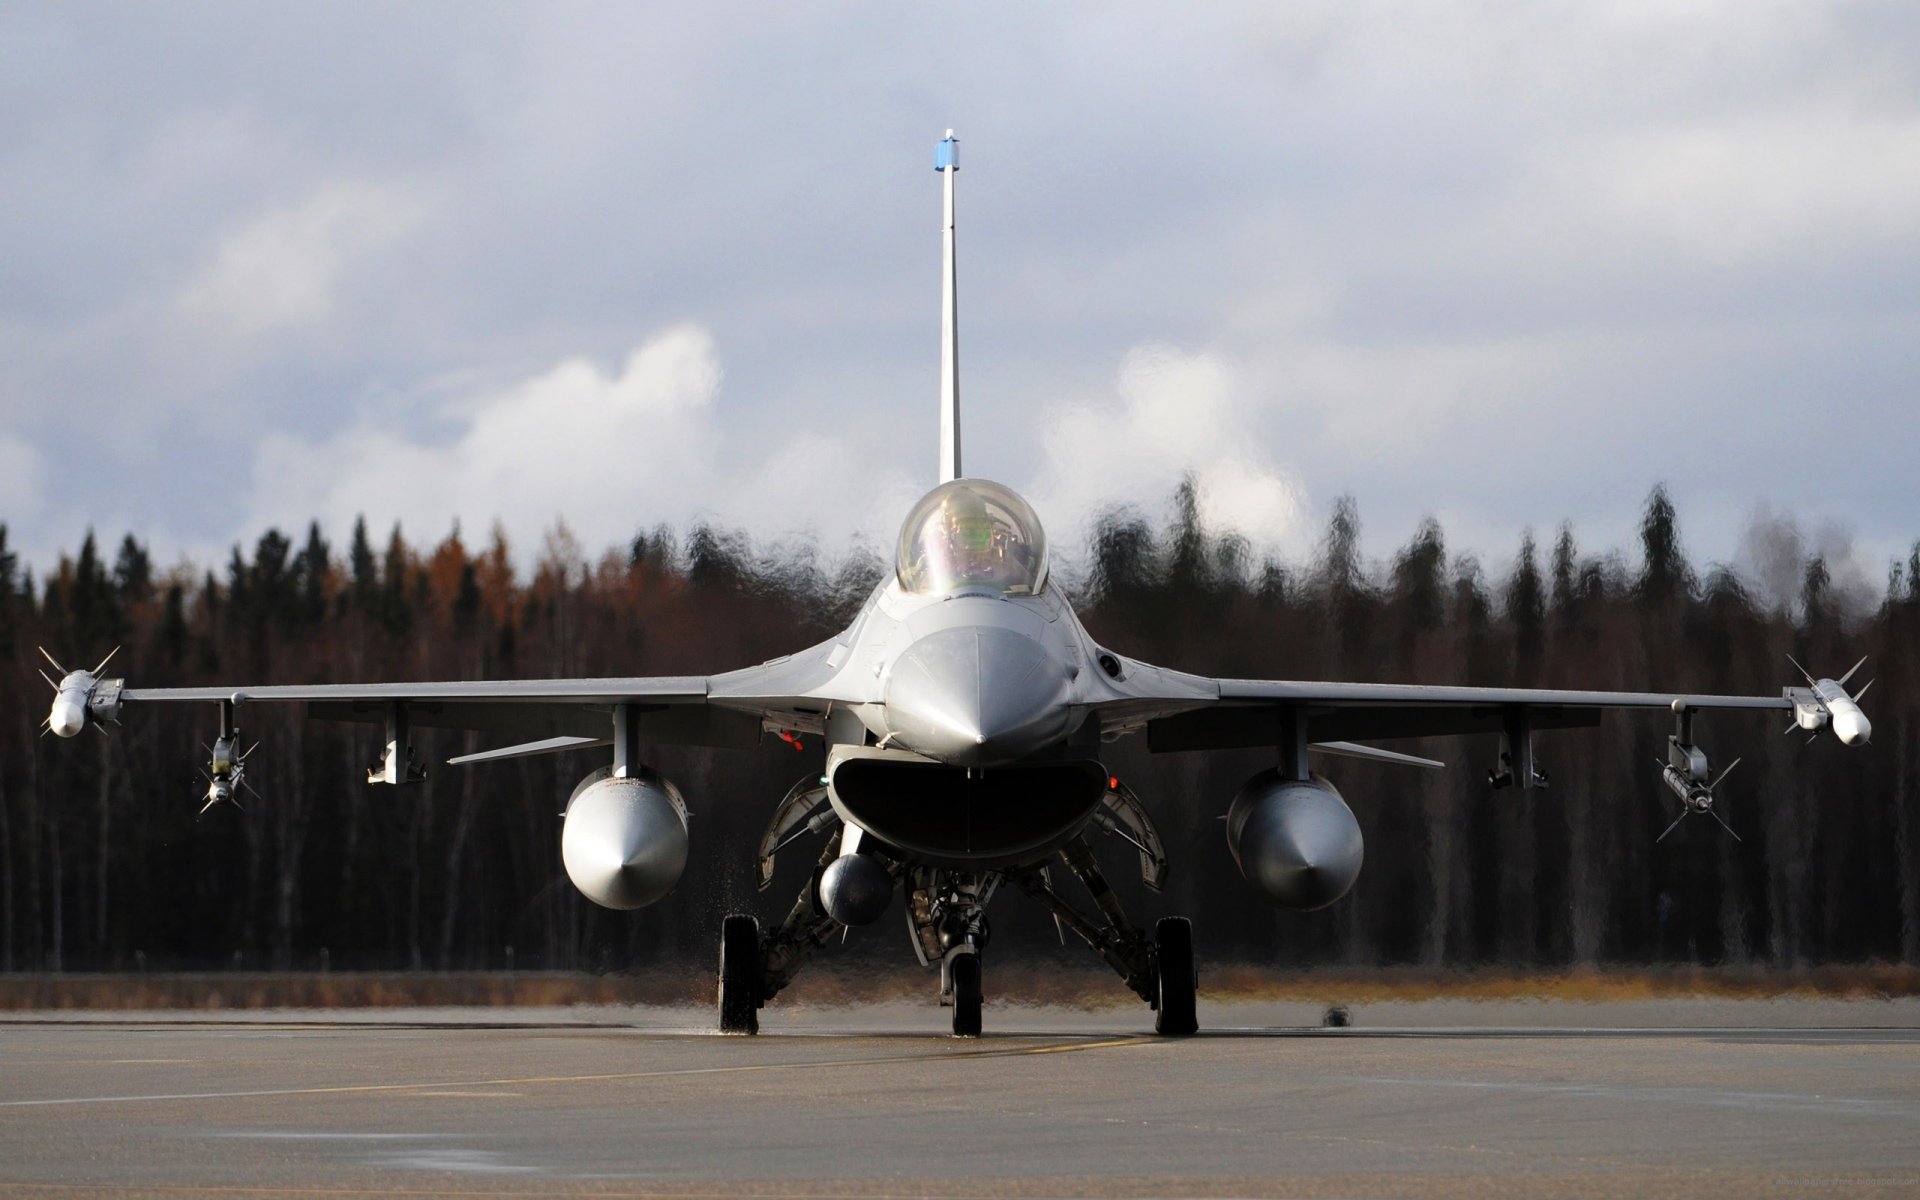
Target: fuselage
[[972, 745], [975, 680]]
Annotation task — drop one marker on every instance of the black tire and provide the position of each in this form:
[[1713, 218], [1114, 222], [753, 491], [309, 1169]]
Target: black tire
[[740, 975], [1174, 1016], [966, 995]]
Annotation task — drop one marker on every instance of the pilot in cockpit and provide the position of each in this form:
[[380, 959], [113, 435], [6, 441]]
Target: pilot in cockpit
[[972, 534], [977, 545]]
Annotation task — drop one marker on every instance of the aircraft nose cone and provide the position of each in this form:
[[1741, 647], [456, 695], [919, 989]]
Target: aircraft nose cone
[[976, 696]]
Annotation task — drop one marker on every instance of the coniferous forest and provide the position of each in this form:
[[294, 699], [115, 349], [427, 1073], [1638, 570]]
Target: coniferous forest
[[104, 864]]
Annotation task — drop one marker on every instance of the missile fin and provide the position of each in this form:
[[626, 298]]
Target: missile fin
[[1804, 673], [106, 660], [1842, 681], [1862, 691], [50, 658], [1663, 833], [49, 679], [1723, 776]]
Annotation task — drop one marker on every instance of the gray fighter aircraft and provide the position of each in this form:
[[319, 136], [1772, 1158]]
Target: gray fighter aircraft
[[963, 713]]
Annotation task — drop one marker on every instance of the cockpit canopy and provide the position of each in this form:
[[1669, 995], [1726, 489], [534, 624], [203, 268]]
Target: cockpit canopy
[[972, 533]]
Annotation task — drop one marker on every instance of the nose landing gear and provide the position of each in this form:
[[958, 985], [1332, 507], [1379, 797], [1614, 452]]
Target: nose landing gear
[[963, 981], [947, 914]]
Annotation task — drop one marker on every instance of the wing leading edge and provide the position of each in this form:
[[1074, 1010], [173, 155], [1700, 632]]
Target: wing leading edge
[[726, 710], [1250, 712]]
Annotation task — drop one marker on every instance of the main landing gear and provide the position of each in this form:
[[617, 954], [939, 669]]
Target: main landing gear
[[947, 921], [1160, 969], [739, 975]]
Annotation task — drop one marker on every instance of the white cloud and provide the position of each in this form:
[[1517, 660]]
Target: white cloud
[[22, 480], [1174, 413], [607, 452], [285, 268], [612, 452], [1502, 263], [1745, 189]]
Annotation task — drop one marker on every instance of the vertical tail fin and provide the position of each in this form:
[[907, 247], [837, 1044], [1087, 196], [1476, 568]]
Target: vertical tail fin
[[946, 160]]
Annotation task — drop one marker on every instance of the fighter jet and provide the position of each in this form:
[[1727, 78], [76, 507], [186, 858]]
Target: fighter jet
[[964, 714]]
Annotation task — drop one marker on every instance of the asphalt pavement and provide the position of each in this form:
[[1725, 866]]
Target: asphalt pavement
[[1764, 1098]]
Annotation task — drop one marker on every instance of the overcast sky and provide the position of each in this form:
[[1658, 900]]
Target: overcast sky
[[1502, 264]]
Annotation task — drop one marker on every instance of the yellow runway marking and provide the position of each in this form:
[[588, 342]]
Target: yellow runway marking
[[610, 1077], [482, 1095]]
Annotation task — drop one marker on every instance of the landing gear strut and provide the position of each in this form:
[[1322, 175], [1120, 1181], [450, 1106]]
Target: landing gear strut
[[1160, 969], [947, 920]]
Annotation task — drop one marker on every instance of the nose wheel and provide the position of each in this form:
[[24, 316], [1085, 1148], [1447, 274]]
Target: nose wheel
[[964, 972]]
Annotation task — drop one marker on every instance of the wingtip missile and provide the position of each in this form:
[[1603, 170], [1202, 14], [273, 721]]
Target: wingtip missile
[[1825, 704], [81, 698]]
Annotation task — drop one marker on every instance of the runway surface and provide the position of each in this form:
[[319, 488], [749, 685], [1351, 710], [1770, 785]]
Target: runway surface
[[1550, 1100]]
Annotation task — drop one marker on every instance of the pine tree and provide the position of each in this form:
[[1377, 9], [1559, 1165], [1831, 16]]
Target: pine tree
[[133, 571], [310, 572], [1526, 611], [366, 573], [9, 563]]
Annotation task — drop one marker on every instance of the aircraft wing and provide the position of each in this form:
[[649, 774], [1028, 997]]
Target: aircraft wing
[[730, 709], [1191, 712]]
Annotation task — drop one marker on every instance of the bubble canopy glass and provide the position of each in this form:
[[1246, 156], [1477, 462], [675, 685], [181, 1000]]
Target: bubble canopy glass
[[972, 533]]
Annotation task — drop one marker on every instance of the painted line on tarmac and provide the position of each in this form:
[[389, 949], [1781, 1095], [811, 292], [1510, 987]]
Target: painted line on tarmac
[[552, 1080], [1691, 1097]]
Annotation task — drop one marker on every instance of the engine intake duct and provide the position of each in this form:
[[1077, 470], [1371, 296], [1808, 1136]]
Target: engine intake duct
[[952, 816]]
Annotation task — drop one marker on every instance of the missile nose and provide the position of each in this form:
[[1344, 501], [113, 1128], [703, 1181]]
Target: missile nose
[[1850, 725], [68, 717], [977, 695]]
